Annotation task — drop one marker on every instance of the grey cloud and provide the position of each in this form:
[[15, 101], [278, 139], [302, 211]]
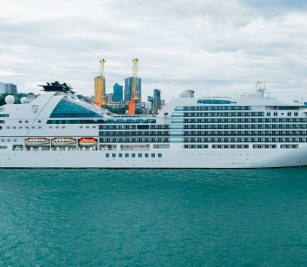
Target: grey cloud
[[181, 44]]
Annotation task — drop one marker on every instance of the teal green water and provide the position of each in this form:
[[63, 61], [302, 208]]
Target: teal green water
[[153, 217]]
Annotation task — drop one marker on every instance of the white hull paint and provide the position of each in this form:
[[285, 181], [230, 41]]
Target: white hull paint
[[218, 158]]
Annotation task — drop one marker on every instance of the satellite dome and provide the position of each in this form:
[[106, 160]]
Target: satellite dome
[[31, 96], [24, 100], [9, 99]]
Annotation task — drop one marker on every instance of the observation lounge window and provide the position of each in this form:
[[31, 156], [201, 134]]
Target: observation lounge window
[[67, 109]]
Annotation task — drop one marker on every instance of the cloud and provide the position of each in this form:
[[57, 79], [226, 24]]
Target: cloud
[[209, 46]]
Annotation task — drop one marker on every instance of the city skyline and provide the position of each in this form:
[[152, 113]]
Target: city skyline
[[205, 46]]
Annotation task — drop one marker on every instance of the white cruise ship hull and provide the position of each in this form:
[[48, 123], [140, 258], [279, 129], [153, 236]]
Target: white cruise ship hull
[[211, 132], [221, 158]]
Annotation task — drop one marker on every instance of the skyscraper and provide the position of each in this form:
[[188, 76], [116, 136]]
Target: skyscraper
[[117, 93], [10, 89], [2, 89], [128, 88], [157, 100]]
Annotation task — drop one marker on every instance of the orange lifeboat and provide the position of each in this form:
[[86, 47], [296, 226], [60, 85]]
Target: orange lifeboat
[[88, 142]]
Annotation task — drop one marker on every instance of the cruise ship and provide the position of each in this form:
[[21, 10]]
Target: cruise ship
[[57, 130]]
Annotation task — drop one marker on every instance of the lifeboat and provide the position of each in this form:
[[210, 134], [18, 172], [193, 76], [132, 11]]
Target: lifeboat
[[88, 142], [68, 142], [37, 142]]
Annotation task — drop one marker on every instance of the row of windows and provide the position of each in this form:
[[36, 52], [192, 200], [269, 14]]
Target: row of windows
[[20, 127], [133, 140], [241, 146], [196, 146], [247, 133], [264, 146], [276, 113], [288, 146], [130, 121], [40, 127], [135, 133], [80, 127], [283, 107], [132, 127], [241, 120], [230, 146], [224, 114], [8, 140], [133, 155], [247, 126], [4, 115], [39, 121], [247, 140], [74, 121], [192, 108]]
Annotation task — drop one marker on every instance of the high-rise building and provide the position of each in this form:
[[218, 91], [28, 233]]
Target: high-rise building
[[156, 100], [117, 93], [10, 89], [109, 97], [2, 89], [128, 88]]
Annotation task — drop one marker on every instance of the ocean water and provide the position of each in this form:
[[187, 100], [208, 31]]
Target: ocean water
[[63, 217]]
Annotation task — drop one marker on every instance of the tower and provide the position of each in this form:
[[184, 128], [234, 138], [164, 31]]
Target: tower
[[117, 93], [156, 100]]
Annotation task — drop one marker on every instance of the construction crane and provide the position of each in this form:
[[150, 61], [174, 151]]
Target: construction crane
[[134, 96], [103, 83], [100, 90]]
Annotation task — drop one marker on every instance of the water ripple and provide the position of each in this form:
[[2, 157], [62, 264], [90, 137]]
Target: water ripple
[[153, 217]]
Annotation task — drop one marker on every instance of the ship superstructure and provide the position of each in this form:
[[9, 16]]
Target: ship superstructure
[[58, 130]]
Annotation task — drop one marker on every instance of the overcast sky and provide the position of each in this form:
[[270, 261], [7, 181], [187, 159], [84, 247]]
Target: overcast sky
[[214, 47]]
